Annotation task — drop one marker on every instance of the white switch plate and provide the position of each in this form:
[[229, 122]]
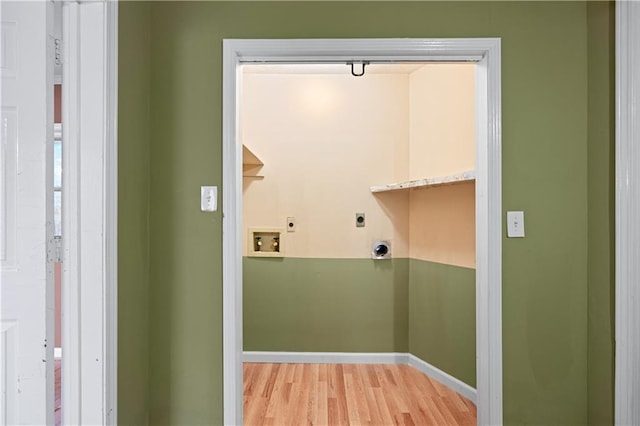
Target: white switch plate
[[515, 224], [208, 198]]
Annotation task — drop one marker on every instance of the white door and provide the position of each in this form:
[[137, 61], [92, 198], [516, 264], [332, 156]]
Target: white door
[[26, 128]]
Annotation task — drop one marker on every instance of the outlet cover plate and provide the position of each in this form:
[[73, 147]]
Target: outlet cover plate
[[291, 224]]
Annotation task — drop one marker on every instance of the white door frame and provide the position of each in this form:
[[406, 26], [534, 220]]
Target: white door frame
[[627, 348], [89, 185], [486, 51]]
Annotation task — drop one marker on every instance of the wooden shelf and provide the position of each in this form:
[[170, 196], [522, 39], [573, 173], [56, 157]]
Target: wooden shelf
[[251, 164], [467, 176]]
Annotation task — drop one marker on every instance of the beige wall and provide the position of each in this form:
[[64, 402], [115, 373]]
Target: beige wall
[[442, 223], [442, 142], [442, 123], [324, 140]]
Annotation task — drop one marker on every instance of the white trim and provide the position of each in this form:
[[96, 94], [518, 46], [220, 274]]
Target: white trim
[[488, 192], [89, 275], [231, 243], [445, 378], [70, 387], [394, 358], [57, 131], [111, 217], [627, 362], [326, 357], [489, 237]]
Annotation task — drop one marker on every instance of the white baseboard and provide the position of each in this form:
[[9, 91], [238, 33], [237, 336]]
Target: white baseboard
[[57, 352], [444, 378], [326, 357], [363, 358]]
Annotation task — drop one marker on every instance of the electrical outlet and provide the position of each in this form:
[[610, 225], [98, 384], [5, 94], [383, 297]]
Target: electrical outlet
[[359, 220]]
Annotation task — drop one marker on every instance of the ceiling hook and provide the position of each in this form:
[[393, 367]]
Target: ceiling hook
[[353, 73]]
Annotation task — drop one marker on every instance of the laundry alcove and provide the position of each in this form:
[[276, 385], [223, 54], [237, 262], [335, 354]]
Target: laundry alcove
[[398, 144]]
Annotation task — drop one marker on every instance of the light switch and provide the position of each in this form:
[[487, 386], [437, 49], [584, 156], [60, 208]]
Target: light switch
[[515, 224], [208, 198]]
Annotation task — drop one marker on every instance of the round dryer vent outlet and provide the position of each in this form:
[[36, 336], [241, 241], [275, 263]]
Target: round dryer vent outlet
[[381, 250]]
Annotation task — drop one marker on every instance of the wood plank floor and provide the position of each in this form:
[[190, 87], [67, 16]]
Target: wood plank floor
[[349, 394]]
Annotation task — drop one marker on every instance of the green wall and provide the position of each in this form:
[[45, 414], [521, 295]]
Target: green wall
[[325, 305], [361, 305], [547, 171], [601, 146], [133, 212], [544, 291], [185, 290], [442, 317]]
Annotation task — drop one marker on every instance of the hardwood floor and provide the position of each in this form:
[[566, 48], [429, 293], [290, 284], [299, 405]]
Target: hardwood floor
[[349, 394]]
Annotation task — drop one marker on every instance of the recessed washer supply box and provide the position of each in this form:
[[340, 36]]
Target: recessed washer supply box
[[266, 242]]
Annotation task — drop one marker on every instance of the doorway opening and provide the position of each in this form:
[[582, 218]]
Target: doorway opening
[[486, 54], [56, 243], [359, 240]]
